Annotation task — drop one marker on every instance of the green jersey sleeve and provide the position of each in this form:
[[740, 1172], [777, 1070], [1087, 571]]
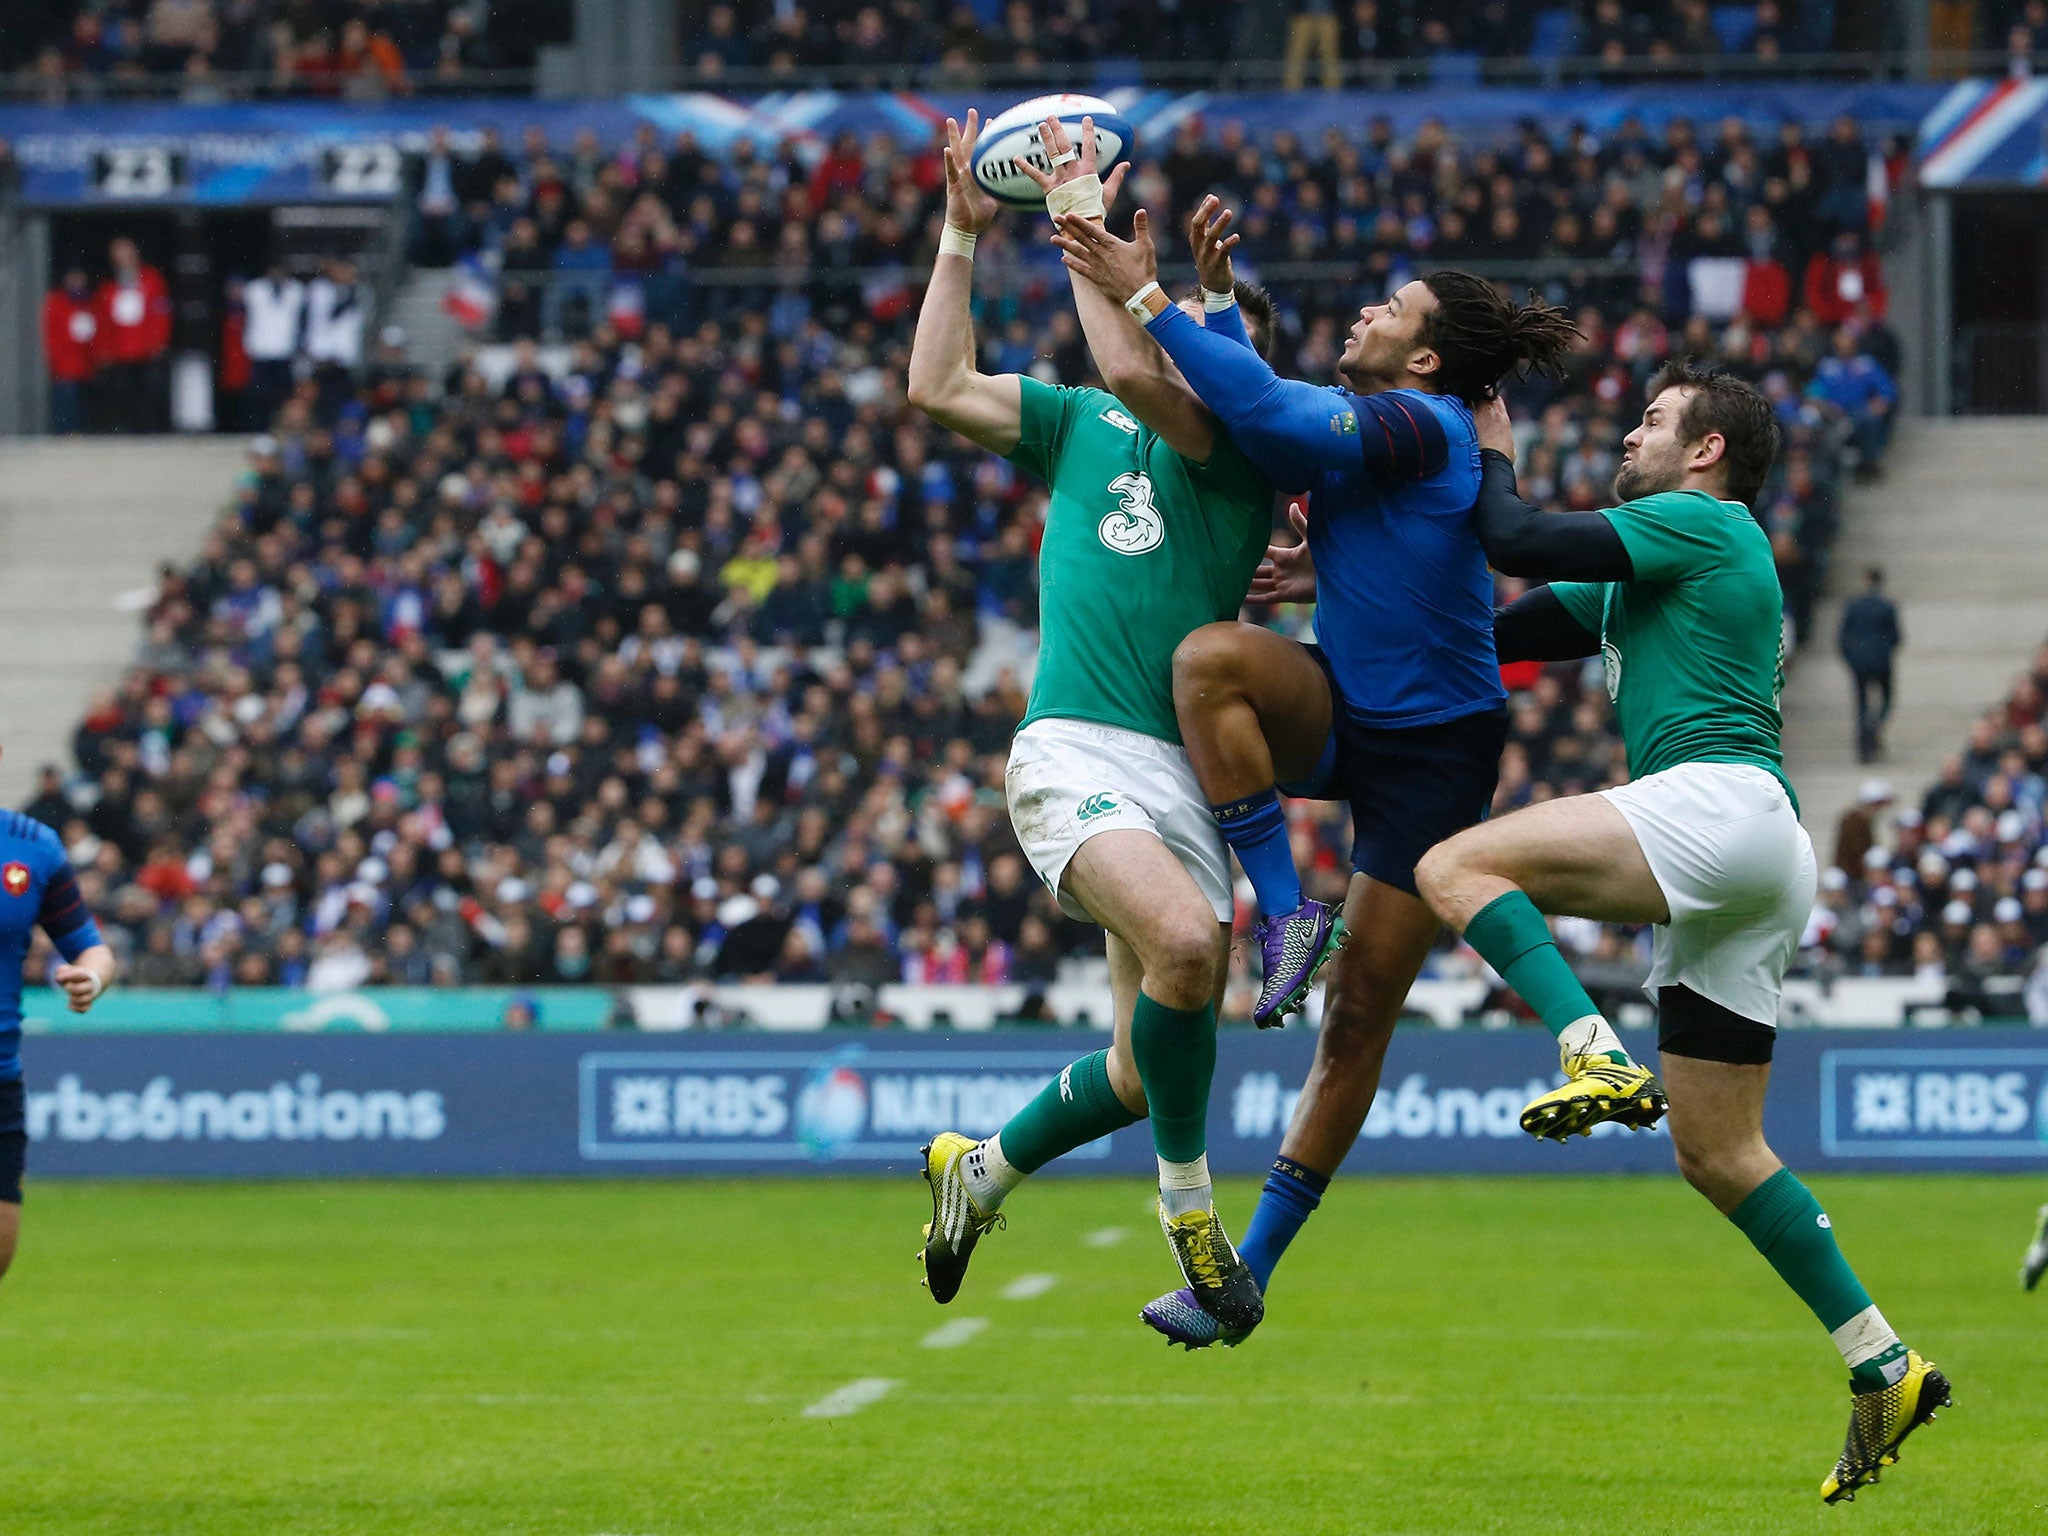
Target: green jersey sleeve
[[1585, 601], [1671, 535], [1047, 414]]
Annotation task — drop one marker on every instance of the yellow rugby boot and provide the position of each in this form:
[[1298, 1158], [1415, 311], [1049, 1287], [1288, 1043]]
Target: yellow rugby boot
[[1600, 1089], [1879, 1421], [957, 1223]]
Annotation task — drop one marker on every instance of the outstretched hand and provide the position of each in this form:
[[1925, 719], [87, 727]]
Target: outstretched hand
[[968, 207], [1211, 245], [1288, 573], [1118, 267], [1052, 133]]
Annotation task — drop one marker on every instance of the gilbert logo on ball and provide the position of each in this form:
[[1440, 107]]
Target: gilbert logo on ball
[[1012, 137], [15, 878]]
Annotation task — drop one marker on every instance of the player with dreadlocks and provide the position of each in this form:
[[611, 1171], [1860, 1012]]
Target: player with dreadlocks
[[1398, 708]]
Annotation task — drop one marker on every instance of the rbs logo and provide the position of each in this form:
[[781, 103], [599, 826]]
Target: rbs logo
[[1935, 1103]]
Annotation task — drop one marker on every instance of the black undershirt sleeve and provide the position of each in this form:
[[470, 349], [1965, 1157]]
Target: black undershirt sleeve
[[1543, 546], [1538, 627]]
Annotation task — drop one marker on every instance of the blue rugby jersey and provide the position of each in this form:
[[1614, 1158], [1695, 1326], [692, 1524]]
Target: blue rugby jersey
[[36, 887], [1404, 601]]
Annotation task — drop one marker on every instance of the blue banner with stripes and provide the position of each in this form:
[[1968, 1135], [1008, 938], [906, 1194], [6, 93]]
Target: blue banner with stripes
[[307, 151]]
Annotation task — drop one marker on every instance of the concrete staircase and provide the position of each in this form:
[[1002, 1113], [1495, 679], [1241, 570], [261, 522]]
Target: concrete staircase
[[1960, 525], [432, 335], [84, 523]]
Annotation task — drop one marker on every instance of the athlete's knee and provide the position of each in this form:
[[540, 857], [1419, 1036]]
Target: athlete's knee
[[1180, 957], [1721, 1164], [1439, 870], [1208, 664]]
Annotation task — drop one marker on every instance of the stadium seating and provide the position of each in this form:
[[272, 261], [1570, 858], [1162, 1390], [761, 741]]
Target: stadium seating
[[1954, 890], [685, 649], [78, 49]]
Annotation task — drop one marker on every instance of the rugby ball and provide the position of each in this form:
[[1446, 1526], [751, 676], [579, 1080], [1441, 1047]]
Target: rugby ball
[[1011, 137]]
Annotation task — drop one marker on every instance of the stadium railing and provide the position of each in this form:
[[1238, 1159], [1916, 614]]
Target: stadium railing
[[1077, 1001]]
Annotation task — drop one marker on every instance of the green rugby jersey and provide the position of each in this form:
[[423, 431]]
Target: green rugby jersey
[[1694, 647], [1141, 547]]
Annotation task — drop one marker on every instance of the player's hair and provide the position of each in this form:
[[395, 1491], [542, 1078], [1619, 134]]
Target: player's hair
[[1717, 401], [1256, 307], [1482, 335], [1259, 315]]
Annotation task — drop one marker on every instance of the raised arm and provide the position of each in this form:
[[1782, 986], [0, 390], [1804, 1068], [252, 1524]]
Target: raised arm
[[1292, 432], [1211, 242], [1132, 367], [944, 383], [1523, 541]]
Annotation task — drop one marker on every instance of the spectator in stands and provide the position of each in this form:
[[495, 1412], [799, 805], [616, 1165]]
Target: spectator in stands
[[582, 280], [1858, 385], [434, 180], [1844, 280], [337, 313], [70, 349], [273, 327], [133, 337], [1312, 32], [1868, 639]]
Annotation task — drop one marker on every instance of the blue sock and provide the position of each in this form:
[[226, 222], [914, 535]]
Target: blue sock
[[1256, 828], [1291, 1192]]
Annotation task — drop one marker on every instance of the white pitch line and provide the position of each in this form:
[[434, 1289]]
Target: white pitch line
[[1024, 1287], [851, 1398], [1106, 1237], [957, 1331]]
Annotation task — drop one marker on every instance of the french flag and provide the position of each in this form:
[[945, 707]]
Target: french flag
[[473, 297]]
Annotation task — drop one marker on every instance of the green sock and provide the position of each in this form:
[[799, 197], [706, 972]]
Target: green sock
[[1788, 1227], [1175, 1053], [1512, 937], [1072, 1110]]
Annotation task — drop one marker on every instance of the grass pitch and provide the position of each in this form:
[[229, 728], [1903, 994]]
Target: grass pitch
[[1442, 1356]]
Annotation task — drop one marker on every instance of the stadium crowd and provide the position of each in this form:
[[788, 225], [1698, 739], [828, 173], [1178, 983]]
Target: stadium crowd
[[681, 648], [60, 50], [951, 39], [67, 49], [1953, 890]]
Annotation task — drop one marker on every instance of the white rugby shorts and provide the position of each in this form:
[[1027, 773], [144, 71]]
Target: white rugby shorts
[[1070, 779], [1738, 873]]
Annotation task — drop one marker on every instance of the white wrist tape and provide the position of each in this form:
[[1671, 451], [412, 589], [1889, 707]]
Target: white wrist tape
[[1082, 195], [1212, 301], [955, 241], [99, 985], [1138, 303]]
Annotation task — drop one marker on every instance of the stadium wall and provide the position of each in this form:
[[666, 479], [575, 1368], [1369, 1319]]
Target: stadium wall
[[283, 1105]]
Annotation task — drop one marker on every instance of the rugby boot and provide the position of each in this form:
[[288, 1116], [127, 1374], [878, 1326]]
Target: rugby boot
[[957, 1223], [1220, 1282], [1600, 1089], [1879, 1421], [1294, 947]]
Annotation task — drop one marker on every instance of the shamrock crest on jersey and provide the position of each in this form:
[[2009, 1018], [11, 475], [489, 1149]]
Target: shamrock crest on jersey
[[1610, 663], [1134, 528]]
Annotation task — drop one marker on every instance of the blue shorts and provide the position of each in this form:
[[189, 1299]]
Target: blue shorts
[[13, 1141], [1409, 787]]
